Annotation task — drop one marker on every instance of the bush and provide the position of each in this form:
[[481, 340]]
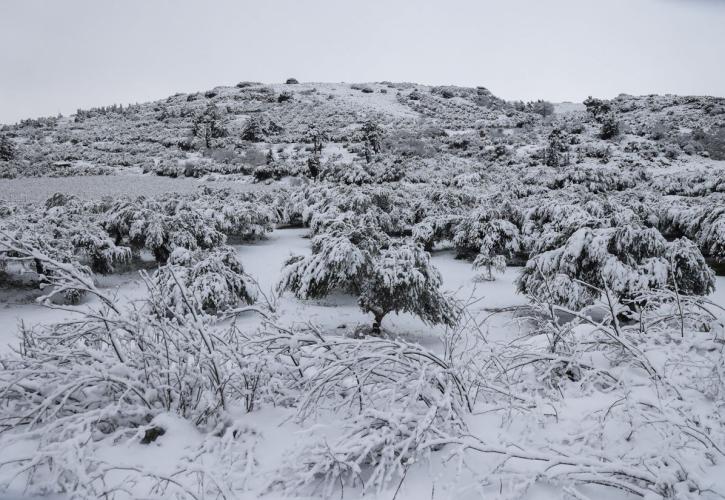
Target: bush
[[619, 263], [210, 282], [284, 97], [291, 81], [610, 127]]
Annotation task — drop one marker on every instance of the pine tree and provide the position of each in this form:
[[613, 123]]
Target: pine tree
[[372, 136]]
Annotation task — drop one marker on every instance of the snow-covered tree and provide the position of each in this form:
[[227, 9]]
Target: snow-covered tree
[[340, 260], [625, 262], [360, 260], [402, 279], [372, 137], [253, 130], [209, 125], [556, 151]]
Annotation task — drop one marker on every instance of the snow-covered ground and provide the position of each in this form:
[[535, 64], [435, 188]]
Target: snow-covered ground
[[277, 432], [263, 260], [30, 189]]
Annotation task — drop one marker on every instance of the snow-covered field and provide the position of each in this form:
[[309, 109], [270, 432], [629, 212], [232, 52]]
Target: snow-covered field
[[33, 190], [276, 432]]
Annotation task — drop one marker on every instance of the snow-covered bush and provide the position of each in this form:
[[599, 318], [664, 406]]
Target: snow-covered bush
[[210, 281], [118, 374], [161, 228], [487, 232], [701, 223], [491, 263], [387, 420], [624, 262], [435, 229]]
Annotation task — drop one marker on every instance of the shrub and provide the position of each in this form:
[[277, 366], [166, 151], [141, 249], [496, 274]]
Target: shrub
[[194, 282], [610, 127], [284, 97], [624, 262]]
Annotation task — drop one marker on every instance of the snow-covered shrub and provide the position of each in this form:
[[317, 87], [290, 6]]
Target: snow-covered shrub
[[271, 170], [487, 231], [100, 250], [56, 273], [610, 127], [116, 374], [623, 261], [701, 223], [434, 229], [210, 281], [161, 228], [491, 263], [387, 420]]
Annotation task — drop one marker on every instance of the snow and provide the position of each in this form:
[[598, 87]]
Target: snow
[[33, 190], [278, 432]]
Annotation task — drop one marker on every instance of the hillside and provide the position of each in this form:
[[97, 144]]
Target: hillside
[[232, 129]]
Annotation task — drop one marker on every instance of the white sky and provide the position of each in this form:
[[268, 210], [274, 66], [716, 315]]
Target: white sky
[[57, 56]]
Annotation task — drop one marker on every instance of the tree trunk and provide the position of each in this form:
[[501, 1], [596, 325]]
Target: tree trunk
[[376, 323]]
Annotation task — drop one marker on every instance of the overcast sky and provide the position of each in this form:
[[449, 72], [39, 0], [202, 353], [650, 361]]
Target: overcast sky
[[57, 56]]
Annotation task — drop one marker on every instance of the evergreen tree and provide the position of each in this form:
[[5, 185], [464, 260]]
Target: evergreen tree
[[556, 152], [209, 125], [372, 136]]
